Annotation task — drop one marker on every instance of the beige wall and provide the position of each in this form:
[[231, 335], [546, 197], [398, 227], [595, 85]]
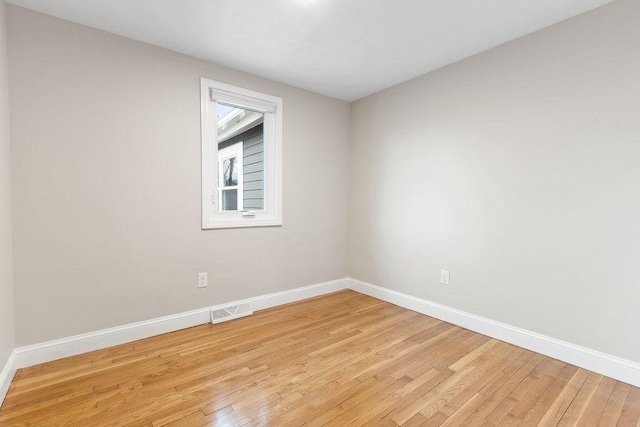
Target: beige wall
[[519, 171], [106, 183], [6, 276]]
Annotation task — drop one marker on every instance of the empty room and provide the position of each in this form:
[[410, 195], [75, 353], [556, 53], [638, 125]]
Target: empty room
[[319, 213]]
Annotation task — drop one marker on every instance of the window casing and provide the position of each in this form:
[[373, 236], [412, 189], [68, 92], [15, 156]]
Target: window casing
[[223, 180]]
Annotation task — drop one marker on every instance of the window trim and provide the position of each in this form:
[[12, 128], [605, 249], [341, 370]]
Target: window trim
[[211, 92]]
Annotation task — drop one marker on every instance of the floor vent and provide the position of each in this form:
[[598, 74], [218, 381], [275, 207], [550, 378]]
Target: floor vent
[[222, 314]]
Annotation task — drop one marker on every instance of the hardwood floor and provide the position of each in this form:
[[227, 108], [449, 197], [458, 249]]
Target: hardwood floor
[[342, 359]]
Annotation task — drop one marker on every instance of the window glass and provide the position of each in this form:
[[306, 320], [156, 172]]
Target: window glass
[[241, 135], [230, 172], [229, 200]]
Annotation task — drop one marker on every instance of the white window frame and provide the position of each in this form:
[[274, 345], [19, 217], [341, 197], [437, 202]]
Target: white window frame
[[230, 152], [211, 92]]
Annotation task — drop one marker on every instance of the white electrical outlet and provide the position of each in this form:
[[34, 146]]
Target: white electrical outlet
[[202, 280], [444, 277]]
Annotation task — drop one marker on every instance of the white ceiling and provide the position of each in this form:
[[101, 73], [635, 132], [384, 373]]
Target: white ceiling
[[342, 48]]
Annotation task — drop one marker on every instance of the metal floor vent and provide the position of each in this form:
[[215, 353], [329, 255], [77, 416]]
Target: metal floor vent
[[230, 312]]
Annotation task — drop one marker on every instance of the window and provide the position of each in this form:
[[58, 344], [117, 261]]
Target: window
[[230, 177], [241, 157]]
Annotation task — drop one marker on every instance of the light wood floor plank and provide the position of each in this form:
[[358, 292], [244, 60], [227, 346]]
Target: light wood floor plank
[[343, 359]]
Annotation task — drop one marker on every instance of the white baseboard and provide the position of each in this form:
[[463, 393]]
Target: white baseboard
[[602, 363], [298, 294], [614, 367], [78, 344], [6, 375]]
